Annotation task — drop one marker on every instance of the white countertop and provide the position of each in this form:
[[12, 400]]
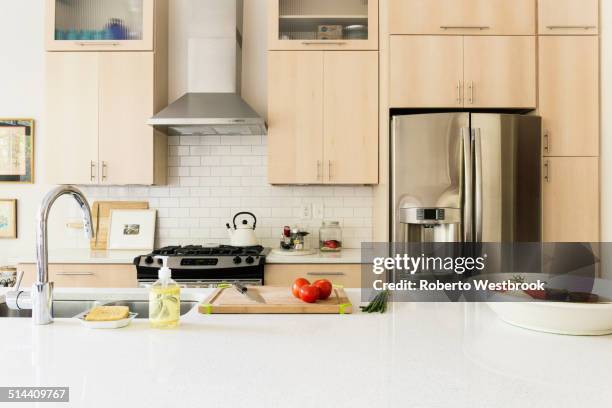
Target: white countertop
[[86, 256], [417, 355]]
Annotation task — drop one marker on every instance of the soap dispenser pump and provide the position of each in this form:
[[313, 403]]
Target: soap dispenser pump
[[164, 299]]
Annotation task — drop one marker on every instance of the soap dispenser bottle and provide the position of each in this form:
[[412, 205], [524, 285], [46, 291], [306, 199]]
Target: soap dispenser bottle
[[164, 299]]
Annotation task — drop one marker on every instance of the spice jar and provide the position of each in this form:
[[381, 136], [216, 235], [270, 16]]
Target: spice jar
[[330, 237]]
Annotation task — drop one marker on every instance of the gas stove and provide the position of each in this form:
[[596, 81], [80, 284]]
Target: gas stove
[[205, 266]]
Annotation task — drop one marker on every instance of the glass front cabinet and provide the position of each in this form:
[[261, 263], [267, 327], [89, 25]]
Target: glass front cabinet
[[100, 25], [323, 25]]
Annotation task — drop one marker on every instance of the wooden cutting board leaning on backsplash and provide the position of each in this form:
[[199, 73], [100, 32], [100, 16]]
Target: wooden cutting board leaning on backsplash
[[100, 212]]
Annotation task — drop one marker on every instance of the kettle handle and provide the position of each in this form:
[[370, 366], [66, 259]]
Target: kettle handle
[[245, 213]]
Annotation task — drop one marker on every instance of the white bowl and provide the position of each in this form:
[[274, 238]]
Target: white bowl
[[115, 324], [578, 319]]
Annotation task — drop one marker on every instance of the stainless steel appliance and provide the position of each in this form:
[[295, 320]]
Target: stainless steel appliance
[[198, 266], [466, 177]]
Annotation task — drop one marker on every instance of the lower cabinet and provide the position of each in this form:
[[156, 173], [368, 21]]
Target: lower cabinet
[[571, 199], [83, 275], [347, 275]]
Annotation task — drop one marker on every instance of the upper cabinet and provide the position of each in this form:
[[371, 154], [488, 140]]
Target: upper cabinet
[[500, 72], [470, 17], [97, 107], [100, 25], [572, 17], [457, 71], [323, 25], [323, 117]]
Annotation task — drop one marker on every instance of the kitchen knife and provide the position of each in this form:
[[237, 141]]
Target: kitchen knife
[[249, 293]]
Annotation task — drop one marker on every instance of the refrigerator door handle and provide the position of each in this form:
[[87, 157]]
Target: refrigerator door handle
[[466, 136], [478, 183]]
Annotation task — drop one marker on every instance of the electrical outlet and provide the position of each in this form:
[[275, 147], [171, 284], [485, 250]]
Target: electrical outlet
[[318, 211], [306, 211]]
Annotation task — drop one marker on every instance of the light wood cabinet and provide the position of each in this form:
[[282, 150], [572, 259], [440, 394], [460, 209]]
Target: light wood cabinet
[[84, 275], [426, 71], [97, 107], [569, 95], [573, 17], [323, 117], [457, 71], [456, 17], [295, 117], [347, 275], [351, 117], [322, 25], [110, 25], [72, 118], [571, 199], [500, 72], [126, 103]]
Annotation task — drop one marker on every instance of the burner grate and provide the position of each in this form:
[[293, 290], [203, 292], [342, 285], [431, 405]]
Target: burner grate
[[199, 250]]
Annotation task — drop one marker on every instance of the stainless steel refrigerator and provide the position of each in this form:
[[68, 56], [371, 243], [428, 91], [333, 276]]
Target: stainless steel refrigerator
[[466, 177]]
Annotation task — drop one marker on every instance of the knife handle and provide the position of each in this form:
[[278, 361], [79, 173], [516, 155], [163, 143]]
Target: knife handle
[[240, 287]]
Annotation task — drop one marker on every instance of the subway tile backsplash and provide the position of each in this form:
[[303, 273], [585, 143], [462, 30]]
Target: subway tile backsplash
[[213, 177]]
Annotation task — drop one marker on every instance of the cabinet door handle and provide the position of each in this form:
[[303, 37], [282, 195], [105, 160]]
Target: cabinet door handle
[[459, 99], [547, 171], [323, 42], [471, 89], [319, 168], [571, 27], [465, 27], [329, 170], [75, 274], [97, 43], [547, 141], [104, 171], [326, 274], [92, 171]]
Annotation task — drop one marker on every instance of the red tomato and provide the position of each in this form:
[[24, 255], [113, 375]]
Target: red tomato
[[309, 293], [325, 288], [297, 284]]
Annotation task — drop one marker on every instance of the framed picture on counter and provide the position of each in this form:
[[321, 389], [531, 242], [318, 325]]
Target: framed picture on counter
[[16, 150], [8, 219], [132, 229]]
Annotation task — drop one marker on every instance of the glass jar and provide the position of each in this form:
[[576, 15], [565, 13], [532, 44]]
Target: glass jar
[[330, 237]]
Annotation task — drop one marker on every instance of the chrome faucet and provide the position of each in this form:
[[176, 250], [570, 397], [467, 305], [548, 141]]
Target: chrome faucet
[[40, 299]]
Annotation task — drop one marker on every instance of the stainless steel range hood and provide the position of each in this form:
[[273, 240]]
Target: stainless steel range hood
[[213, 113], [209, 114]]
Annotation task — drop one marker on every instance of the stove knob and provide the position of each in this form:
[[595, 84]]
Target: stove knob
[[238, 260], [160, 261], [149, 260], [249, 260]]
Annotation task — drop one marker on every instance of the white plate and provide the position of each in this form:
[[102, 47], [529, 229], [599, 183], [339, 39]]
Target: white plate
[[282, 252], [115, 324]]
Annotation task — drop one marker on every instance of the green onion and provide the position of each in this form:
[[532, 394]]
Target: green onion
[[378, 304]]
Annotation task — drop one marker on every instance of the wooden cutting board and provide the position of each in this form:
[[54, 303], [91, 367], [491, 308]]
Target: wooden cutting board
[[101, 218], [279, 300]]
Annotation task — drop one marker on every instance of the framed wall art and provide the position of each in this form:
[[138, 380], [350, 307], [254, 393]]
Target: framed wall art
[[132, 229], [8, 219], [16, 150]]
